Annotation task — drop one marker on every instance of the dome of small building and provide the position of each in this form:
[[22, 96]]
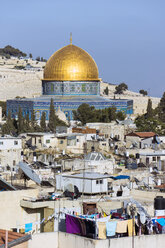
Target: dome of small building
[[71, 63], [61, 115]]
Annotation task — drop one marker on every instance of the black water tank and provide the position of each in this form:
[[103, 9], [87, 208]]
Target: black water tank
[[159, 202]]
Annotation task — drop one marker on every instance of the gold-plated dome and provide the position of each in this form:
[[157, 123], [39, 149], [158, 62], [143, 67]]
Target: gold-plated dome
[[71, 63]]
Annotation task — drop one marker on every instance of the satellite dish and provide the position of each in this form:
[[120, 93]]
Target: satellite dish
[[142, 217], [29, 173], [69, 187]]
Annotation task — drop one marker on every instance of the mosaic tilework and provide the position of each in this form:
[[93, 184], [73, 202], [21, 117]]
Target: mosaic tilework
[[70, 88]]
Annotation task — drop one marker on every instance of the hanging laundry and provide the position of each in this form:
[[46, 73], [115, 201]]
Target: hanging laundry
[[102, 230], [111, 228], [105, 219], [122, 226], [72, 225], [28, 227], [161, 221], [104, 215], [130, 227]]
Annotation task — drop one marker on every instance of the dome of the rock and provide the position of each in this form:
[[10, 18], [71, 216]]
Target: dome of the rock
[[71, 63]]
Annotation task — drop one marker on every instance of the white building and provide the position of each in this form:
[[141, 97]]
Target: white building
[[93, 162], [87, 183], [10, 151]]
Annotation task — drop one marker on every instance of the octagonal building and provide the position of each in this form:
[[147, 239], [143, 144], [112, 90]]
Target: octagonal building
[[71, 78]]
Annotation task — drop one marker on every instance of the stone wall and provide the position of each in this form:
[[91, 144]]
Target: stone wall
[[65, 240], [20, 83]]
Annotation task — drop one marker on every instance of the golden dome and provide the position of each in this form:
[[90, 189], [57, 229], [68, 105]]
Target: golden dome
[[71, 63]]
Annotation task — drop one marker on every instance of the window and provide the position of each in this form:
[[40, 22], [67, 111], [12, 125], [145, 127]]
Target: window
[[47, 141], [77, 140], [154, 159], [39, 141], [1, 142], [14, 162], [101, 181], [15, 142], [61, 142], [97, 181]]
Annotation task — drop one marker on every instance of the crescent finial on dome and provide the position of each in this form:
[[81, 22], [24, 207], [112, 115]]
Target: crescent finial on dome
[[71, 38]]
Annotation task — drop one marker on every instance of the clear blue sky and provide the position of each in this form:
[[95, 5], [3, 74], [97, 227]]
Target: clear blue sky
[[125, 37]]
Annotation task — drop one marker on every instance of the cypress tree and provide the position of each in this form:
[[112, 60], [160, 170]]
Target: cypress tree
[[149, 109], [52, 118], [43, 122], [8, 127], [33, 121], [20, 121], [161, 108], [27, 123]]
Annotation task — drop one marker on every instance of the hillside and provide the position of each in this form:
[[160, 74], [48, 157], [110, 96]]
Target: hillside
[[140, 102], [8, 51]]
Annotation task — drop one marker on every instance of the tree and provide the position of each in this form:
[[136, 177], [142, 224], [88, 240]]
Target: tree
[[52, 119], [30, 56], [106, 91], [143, 92], [85, 113], [20, 121], [120, 116], [149, 113], [8, 127], [38, 58], [27, 123], [43, 122], [161, 108], [119, 89], [33, 121]]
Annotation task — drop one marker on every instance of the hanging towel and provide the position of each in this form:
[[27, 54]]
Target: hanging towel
[[105, 219], [104, 215], [111, 228], [28, 227], [122, 226], [161, 221], [73, 225], [130, 227], [102, 230]]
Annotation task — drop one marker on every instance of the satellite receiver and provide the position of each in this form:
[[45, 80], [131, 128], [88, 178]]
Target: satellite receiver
[[29, 173]]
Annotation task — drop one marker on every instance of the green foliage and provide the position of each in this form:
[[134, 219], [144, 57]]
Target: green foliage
[[86, 113], [161, 109], [11, 51], [38, 58], [53, 118], [106, 91], [154, 119], [121, 88], [20, 121], [27, 126], [120, 116], [3, 105], [30, 56], [43, 122], [149, 113], [8, 127], [143, 92]]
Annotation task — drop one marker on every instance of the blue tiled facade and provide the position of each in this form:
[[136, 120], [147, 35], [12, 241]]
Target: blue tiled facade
[[68, 96], [68, 104]]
